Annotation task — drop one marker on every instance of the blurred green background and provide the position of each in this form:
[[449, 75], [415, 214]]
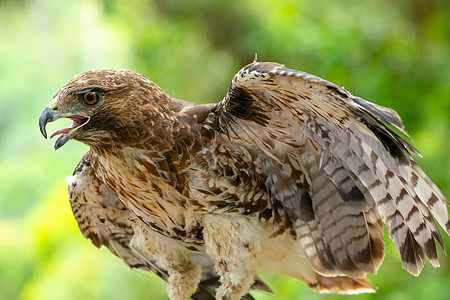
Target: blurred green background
[[394, 53]]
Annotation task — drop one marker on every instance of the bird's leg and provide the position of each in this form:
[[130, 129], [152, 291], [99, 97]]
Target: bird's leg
[[184, 275], [233, 242]]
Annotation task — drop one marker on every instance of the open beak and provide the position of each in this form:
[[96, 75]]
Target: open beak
[[48, 115]]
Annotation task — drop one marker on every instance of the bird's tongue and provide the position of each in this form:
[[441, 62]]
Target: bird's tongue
[[76, 122], [61, 131]]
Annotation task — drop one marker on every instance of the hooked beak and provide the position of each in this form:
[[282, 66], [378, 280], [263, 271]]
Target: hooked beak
[[49, 115]]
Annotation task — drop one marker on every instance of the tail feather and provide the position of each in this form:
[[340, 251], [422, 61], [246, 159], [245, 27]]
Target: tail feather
[[342, 285]]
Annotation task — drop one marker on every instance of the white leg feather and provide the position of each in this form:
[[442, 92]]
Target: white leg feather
[[171, 256], [233, 242]]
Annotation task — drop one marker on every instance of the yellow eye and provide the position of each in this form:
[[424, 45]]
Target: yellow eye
[[91, 98]]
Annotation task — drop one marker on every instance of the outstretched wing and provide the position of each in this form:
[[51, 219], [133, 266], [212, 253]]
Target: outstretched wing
[[104, 220], [335, 168]]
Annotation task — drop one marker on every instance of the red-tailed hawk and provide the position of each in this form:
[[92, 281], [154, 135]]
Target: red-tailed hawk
[[289, 173]]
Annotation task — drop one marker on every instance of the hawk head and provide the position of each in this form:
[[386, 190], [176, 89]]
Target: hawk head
[[107, 107]]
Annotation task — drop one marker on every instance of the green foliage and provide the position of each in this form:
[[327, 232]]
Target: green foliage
[[396, 54]]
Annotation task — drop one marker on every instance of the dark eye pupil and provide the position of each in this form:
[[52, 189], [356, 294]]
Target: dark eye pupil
[[90, 98]]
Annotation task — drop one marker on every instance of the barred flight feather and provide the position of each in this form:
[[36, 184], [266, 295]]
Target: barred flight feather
[[377, 160]]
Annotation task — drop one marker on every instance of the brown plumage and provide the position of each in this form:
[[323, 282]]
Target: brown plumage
[[104, 220], [288, 173]]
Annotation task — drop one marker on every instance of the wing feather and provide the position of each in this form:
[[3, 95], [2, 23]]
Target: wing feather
[[357, 170], [103, 219]]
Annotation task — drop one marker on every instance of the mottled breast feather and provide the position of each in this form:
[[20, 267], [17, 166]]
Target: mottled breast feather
[[104, 220]]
